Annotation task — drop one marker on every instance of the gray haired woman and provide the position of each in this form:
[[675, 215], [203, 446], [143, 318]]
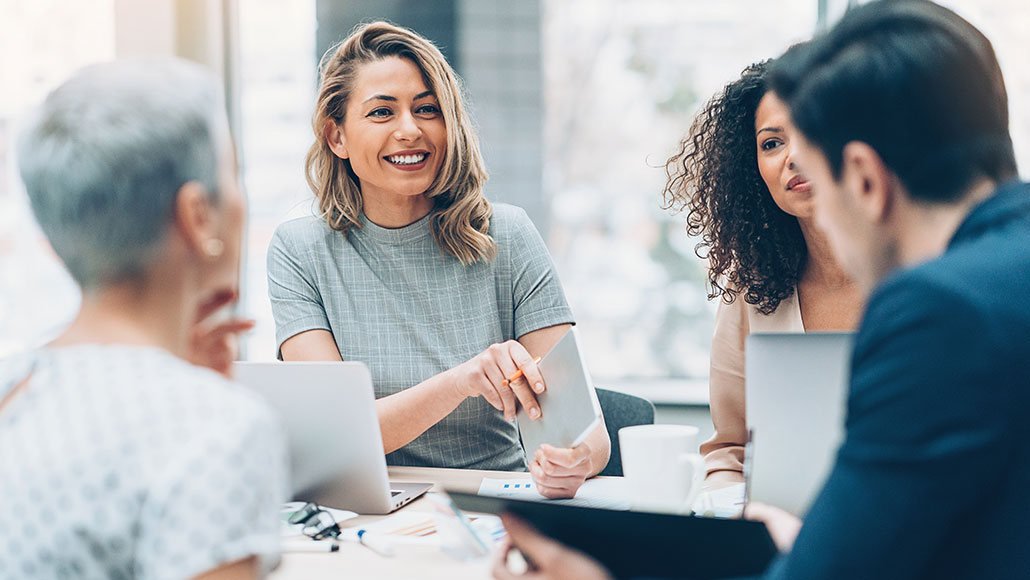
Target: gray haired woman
[[118, 457]]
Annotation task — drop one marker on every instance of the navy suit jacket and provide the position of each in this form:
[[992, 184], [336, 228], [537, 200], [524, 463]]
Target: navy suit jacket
[[933, 477]]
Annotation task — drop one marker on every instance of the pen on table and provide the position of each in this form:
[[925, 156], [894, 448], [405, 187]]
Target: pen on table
[[375, 543], [310, 546], [517, 374]]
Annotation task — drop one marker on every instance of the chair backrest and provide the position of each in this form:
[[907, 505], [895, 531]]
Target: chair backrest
[[622, 410]]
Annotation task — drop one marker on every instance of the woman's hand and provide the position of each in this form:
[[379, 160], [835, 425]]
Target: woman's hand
[[213, 343], [783, 526], [547, 558], [486, 374], [559, 473]]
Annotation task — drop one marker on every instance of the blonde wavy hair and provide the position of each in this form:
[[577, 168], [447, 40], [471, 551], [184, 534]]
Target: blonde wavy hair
[[460, 217]]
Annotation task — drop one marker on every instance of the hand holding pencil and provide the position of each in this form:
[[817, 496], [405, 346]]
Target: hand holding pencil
[[519, 374], [504, 374]]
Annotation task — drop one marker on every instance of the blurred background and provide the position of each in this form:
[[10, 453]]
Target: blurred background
[[579, 104]]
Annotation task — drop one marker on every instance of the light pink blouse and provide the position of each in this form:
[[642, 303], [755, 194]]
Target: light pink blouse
[[733, 322]]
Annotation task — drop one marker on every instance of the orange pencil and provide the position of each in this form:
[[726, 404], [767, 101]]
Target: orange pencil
[[517, 374]]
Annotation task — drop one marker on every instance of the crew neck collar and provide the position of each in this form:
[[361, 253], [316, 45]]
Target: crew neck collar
[[402, 235]]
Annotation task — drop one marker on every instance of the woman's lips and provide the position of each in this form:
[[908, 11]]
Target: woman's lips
[[798, 183], [408, 160]]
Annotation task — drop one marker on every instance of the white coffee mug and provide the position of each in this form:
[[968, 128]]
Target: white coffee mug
[[663, 471]]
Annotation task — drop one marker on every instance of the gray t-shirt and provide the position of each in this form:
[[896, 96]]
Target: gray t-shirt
[[393, 300]]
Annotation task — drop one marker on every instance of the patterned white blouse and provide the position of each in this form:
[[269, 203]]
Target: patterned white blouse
[[126, 462]]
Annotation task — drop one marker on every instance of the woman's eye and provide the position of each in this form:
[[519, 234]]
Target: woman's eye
[[428, 110], [771, 144], [379, 113]]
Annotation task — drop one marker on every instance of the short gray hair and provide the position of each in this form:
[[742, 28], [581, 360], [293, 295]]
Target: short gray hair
[[106, 153]]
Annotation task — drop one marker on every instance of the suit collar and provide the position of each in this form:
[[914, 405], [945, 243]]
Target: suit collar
[[1010, 201]]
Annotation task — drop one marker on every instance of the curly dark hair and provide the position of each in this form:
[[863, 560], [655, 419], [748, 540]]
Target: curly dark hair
[[753, 247]]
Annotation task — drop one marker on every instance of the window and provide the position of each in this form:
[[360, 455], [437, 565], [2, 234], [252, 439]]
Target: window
[[622, 82], [43, 43], [277, 95]]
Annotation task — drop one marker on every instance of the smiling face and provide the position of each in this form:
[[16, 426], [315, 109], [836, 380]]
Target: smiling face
[[393, 131], [773, 135]]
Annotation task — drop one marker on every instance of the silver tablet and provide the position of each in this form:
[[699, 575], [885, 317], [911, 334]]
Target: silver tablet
[[569, 408]]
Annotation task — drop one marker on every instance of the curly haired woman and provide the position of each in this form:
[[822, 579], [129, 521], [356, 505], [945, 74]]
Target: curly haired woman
[[769, 265], [411, 270]]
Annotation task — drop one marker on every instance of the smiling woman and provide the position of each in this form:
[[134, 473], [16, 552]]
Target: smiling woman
[[394, 136], [411, 270], [382, 83]]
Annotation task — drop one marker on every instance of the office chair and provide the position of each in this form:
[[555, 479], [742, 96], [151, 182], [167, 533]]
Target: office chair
[[621, 410]]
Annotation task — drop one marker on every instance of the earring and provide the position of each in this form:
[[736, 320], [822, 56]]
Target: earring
[[214, 247]]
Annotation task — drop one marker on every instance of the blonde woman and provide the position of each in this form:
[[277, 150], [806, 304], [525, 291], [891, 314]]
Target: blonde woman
[[411, 270]]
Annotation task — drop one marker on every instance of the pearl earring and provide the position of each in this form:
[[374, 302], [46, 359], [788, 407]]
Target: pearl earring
[[214, 247]]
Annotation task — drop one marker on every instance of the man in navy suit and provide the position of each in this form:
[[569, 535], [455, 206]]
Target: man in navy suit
[[904, 122]]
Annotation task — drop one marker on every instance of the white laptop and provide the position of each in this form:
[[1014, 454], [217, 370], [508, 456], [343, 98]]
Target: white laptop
[[795, 404], [336, 450]]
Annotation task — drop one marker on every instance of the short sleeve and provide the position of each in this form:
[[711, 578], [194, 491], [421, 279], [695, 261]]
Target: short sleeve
[[293, 290], [217, 502], [537, 294]]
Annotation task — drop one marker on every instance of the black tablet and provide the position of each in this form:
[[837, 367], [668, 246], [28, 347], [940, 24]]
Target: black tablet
[[639, 544]]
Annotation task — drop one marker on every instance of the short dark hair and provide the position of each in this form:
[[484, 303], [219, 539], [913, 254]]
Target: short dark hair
[[915, 82]]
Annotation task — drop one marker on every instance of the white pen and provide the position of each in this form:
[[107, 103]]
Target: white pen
[[375, 543], [310, 546]]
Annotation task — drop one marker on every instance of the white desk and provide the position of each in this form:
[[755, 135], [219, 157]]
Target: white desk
[[356, 561]]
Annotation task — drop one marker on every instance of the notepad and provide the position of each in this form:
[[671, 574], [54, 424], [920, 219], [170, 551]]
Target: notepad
[[569, 407], [605, 493]]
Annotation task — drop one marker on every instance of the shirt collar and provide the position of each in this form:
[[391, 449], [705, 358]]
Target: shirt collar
[[403, 235]]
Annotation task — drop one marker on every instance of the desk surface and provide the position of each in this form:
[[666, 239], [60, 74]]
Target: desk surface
[[356, 561]]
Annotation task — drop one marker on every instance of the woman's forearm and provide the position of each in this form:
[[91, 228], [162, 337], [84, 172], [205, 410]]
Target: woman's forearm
[[405, 415], [600, 449], [402, 416]]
